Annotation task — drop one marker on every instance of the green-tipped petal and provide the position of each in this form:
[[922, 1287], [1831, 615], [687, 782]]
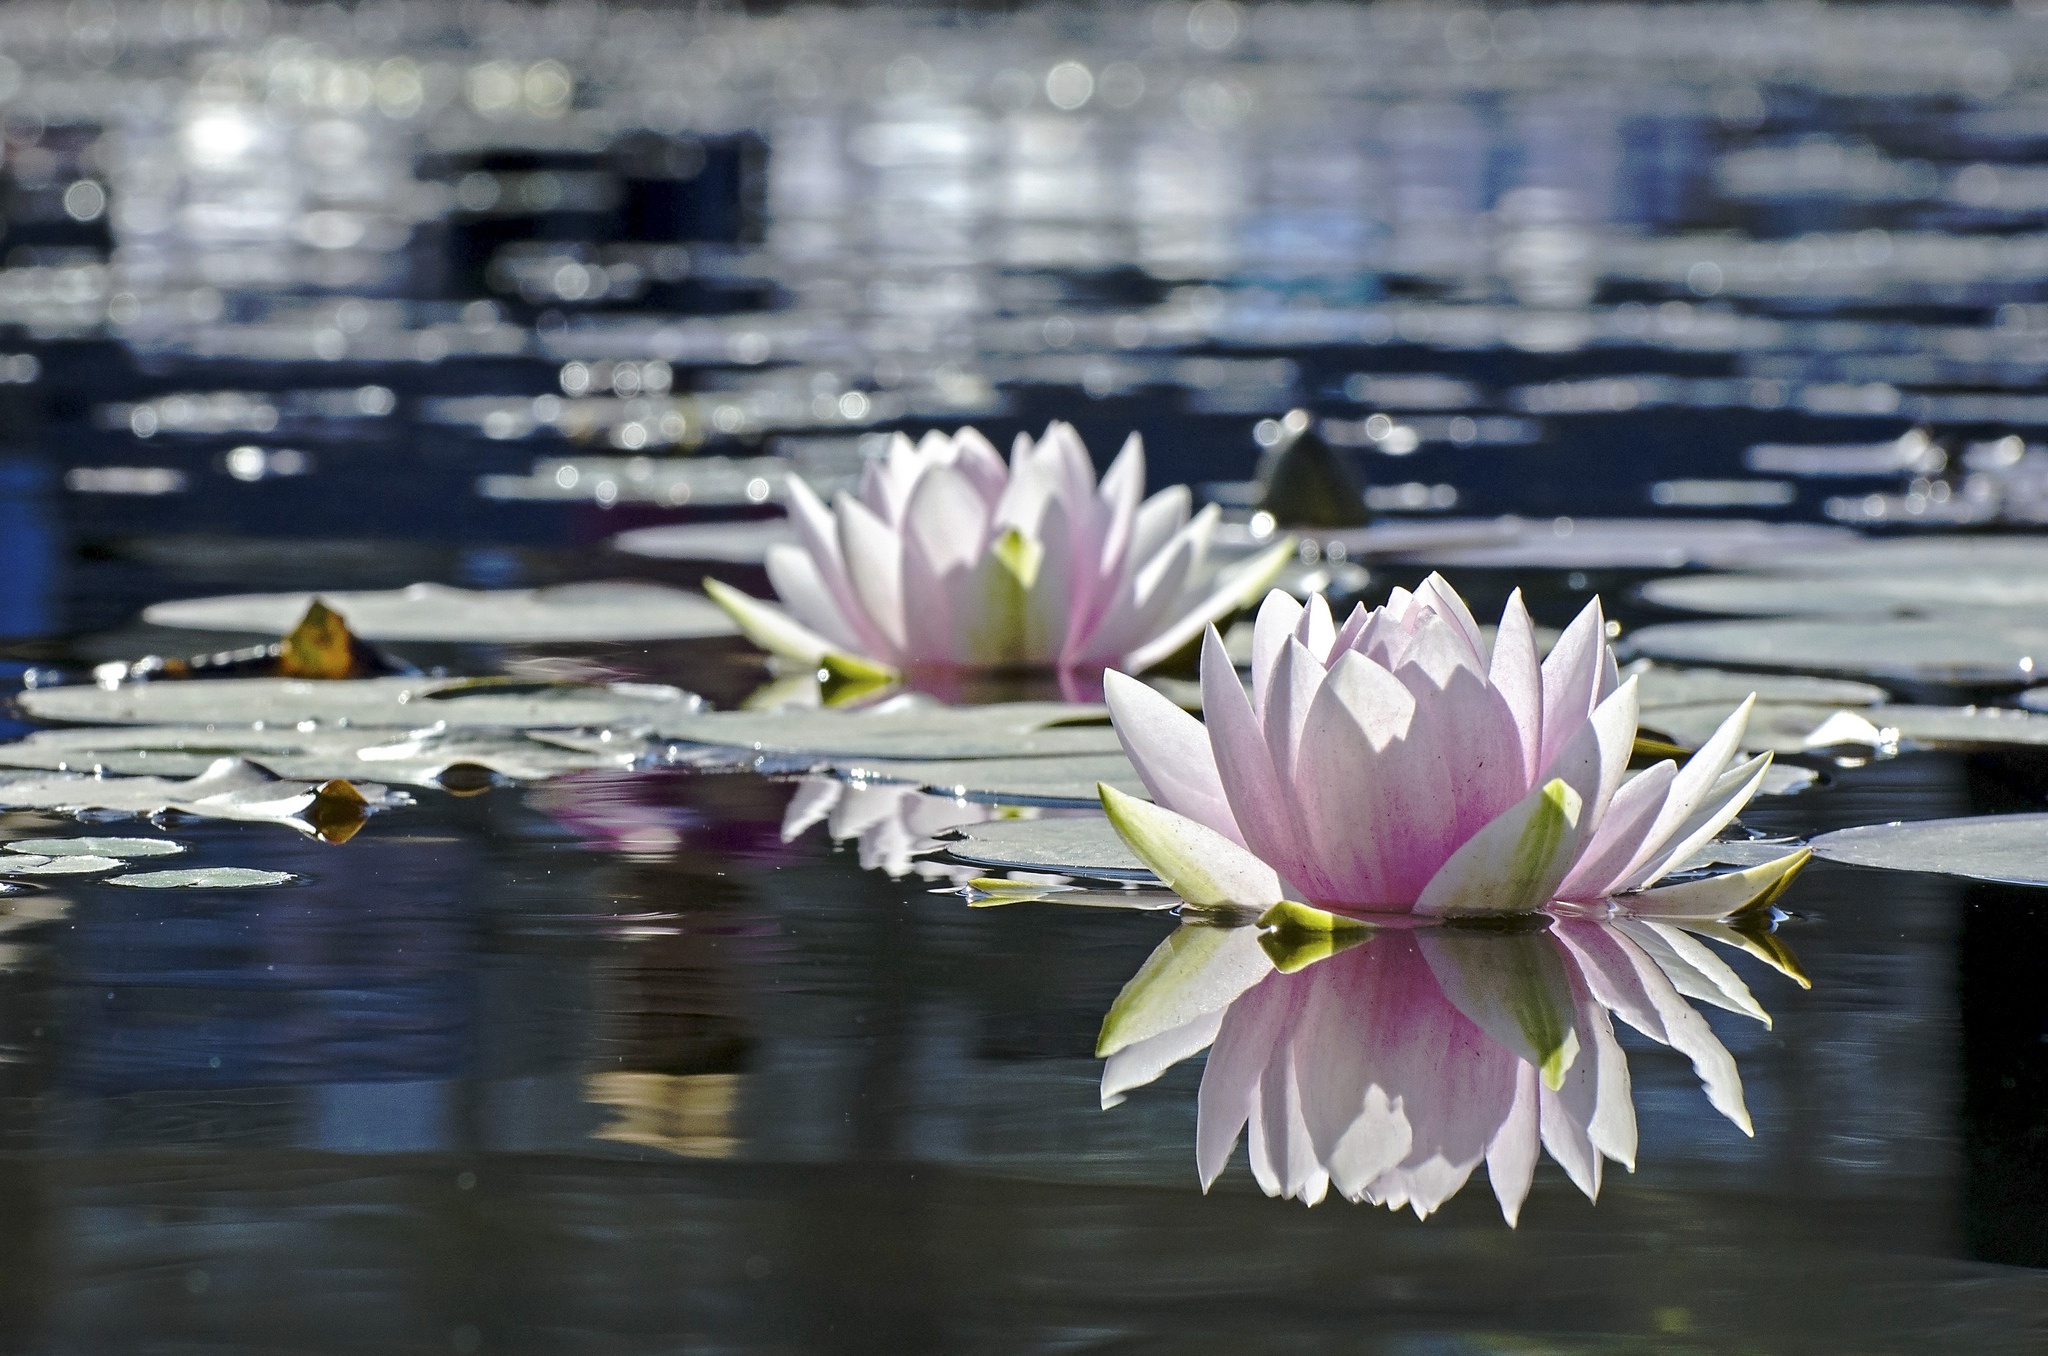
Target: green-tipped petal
[[768, 626], [1514, 987], [1296, 936], [1514, 864], [1196, 971], [1196, 862], [1753, 889]]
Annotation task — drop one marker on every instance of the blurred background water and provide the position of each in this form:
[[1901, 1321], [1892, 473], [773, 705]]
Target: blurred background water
[[352, 296]]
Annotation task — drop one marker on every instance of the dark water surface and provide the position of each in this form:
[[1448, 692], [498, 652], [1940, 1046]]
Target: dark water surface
[[605, 1065]]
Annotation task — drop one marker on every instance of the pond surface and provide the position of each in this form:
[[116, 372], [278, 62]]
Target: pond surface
[[668, 1058], [608, 1064]]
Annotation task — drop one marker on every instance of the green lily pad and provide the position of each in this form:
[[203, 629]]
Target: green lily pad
[[1632, 544], [96, 847], [389, 703], [421, 758], [2007, 848], [82, 865], [1071, 847], [231, 788], [1658, 686], [1876, 594], [737, 543], [204, 878], [1803, 728], [899, 729], [1983, 649], [623, 610]]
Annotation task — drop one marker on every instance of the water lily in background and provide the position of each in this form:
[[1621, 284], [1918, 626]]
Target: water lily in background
[[950, 559], [1398, 764], [1388, 1063]]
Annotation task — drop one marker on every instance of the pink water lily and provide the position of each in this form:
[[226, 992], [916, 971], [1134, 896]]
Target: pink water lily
[[950, 558], [1400, 764], [1389, 1068]]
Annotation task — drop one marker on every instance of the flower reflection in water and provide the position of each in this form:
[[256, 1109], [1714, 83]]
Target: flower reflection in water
[[1389, 1063], [893, 823]]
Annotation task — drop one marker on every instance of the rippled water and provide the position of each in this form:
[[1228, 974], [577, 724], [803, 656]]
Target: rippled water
[[348, 298]]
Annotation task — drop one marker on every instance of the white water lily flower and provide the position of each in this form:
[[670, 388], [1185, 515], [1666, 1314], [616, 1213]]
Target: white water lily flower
[[948, 558], [1399, 764]]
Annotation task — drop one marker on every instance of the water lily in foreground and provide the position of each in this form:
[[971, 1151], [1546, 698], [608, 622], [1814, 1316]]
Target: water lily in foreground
[[1389, 1063], [1400, 765], [948, 558]]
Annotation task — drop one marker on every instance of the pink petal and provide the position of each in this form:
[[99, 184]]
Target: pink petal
[[1244, 765], [1436, 593], [1373, 802], [1623, 978], [1274, 627], [1511, 1158], [1516, 676], [1571, 673], [818, 533], [794, 574], [1620, 834], [874, 565]]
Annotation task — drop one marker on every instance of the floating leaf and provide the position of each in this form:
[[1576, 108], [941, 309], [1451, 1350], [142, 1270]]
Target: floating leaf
[[2008, 848], [1658, 687], [745, 542], [1073, 847], [420, 758], [1785, 728], [204, 878], [1983, 649], [230, 789], [622, 610], [391, 703], [1875, 593], [1633, 544], [72, 865], [96, 847], [903, 728]]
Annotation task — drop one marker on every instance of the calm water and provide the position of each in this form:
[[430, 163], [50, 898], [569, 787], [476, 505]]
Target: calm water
[[606, 1064]]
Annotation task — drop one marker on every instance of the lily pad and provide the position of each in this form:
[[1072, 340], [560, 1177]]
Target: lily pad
[[231, 788], [1634, 544], [420, 758], [901, 729], [1809, 728], [77, 865], [96, 847], [1015, 781], [204, 878], [737, 543], [1909, 555], [2008, 848], [391, 703], [621, 610], [1072, 847], [1875, 594], [1984, 649], [1658, 687]]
